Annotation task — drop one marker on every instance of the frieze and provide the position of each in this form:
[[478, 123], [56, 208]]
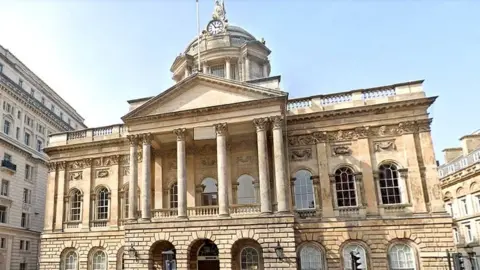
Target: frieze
[[107, 161], [301, 154], [384, 146], [341, 150], [406, 127], [80, 164]]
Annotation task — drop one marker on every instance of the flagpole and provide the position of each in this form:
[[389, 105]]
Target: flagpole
[[198, 39]]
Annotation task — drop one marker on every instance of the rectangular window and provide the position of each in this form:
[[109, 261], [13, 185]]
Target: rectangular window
[[3, 242], [456, 237], [43, 100], [1, 68], [52, 108], [218, 70], [463, 206], [21, 244], [19, 114], [6, 127], [27, 139], [17, 134], [4, 188], [476, 157], [20, 82], [7, 157], [32, 92], [23, 266], [69, 122], [468, 233], [24, 221], [449, 208], [27, 196], [27, 245], [39, 146], [3, 214], [61, 115], [28, 171]]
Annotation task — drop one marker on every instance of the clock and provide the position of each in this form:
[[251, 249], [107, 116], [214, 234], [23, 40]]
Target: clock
[[215, 27]]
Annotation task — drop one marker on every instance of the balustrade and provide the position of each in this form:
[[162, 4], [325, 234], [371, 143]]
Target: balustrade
[[305, 213], [76, 135], [378, 93], [202, 211], [102, 131], [244, 209], [98, 223], [164, 213], [349, 212], [335, 99], [299, 103]]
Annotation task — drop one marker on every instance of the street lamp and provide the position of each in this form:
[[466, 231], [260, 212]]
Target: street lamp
[[132, 252], [279, 251]]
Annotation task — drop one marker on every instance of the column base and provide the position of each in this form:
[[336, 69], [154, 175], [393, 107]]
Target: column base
[[182, 217], [144, 220], [224, 215], [283, 212], [266, 213], [132, 220]]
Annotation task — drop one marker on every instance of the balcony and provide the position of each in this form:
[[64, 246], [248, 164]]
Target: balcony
[[88, 135], [8, 166]]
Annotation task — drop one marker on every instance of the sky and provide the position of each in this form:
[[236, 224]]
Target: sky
[[97, 54]]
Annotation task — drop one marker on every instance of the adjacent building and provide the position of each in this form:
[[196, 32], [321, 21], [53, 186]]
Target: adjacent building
[[224, 171], [30, 112], [460, 178]]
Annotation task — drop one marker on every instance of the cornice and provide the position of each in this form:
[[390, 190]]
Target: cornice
[[360, 110], [361, 132], [460, 176], [32, 103], [73, 147], [28, 154]]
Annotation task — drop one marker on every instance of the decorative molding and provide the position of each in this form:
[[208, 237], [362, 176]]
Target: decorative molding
[[384, 146], [180, 133], [61, 165], [103, 173], [261, 123], [245, 160], [242, 145], [341, 150], [52, 166], [125, 170], [401, 128], [277, 121], [133, 139], [208, 162], [221, 129], [147, 138], [205, 150], [300, 154], [78, 175], [80, 164], [107, 161]]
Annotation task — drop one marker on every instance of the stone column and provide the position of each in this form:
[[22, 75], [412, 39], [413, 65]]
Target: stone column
[[59, 213], [133, 178], [146, 179], [88, 201], [247, 68], [221, 130], [205, 68], [181, 173], [50, 196], [280, 168], [227, 68], [368, 196], [265, 202], [327, 192], [114, 194]]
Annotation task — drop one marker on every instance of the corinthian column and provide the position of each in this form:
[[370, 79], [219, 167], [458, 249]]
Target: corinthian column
[[221, 130], [265, 203], [279, 159], [132, 182], [146, 179], [181, 173]]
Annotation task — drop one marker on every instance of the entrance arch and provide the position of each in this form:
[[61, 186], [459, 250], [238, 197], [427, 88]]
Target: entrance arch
[[157, 258], [203, 255]]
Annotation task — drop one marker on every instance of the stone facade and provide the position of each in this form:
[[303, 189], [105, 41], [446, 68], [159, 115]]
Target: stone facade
[[30, 112], [228, 173], [460, 178]]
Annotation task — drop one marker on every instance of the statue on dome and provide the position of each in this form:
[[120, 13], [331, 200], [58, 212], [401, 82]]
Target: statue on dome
[[219, 12]]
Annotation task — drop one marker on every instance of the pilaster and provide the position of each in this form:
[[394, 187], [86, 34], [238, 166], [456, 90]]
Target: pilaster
[[60, 179]]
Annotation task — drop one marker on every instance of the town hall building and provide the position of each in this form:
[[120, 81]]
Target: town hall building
[[224, 171]]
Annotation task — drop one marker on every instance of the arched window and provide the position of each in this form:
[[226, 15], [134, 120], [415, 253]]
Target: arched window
[[249, 259], [245, 190], [345, 187], [75, 205], [99, 260], [121, 259], [69, 261], [102, 203], [401, 257], [209, 194], [347, 256], [389, 182], [173, 196], [311, 258], [303, 186]]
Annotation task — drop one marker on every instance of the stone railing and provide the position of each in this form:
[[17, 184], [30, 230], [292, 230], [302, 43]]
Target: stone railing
[[88, 135], [459, 164], [244, 209], [202, 211], [164, 213], [98, 223], [306, 213], [355, 98], [71, 224], [349, 212]]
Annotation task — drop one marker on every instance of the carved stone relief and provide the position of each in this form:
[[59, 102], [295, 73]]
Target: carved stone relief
[[385, 146], [341, 150], [208, 162], [102, 173], [300, 154], [75, 176], [125, 170], [245, 160]]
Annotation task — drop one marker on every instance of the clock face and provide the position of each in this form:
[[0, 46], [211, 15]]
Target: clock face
[[215, 27]]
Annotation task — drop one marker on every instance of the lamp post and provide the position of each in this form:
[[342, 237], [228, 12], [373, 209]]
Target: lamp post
[[132, 252], [279, 251]]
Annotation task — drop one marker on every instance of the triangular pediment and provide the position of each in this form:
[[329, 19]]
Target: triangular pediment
[[202, 91]]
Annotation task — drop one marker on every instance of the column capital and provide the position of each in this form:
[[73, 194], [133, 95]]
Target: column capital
[[277, 121], [133, 139], [221, 129], [261, 123], [180, 132], [146, 138]]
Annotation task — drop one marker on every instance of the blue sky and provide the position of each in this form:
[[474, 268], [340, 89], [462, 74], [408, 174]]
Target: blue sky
[[99, 53]]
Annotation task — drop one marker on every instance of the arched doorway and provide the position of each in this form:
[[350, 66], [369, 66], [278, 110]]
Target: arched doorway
[[247, 255], [203, 255], [162, 256]]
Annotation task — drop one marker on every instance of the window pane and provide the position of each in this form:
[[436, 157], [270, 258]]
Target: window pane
[[245, 190], [401, 257], [345, 187], [389, 186], [311, 258], [249, 259], [99, 261], [303, 187], [174, 196]]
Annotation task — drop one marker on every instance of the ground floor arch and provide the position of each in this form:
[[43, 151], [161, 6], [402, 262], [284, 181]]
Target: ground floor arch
[[203, 254], [162, 256]]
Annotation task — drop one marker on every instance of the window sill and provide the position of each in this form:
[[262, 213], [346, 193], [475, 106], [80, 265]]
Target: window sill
[[395, 209], [350, 212]]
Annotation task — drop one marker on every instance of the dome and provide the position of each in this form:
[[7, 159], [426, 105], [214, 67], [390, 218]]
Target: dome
[[238, 36]]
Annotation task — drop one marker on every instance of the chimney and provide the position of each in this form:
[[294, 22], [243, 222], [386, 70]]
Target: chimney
[[451, 153], [470, 143]]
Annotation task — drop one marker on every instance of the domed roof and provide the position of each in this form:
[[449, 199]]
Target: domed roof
[[238, 36]]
